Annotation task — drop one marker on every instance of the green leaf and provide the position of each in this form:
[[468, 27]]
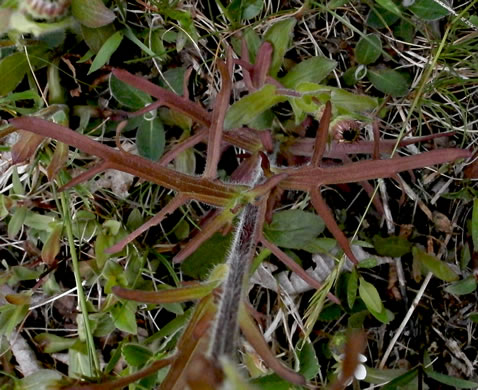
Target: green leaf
[[462, 287], [271, 382], [106, 51], [16, 222], [293, 229], [352, 285], [389, 81], [84, 225], [45, 223], [135, 354], [103, 241], [401, 380], [79, 363], [41, 380], [18, 188], [209, 254], [393, 246], [280, 36], [4, 201], [347, 102], [404, 30], [92, 13], [150, 139], [186, 21], [12, 70], [313, 70], [473, 317], [457, 383], [390, 6], [10, 316], [439, 268], [175, 80], [357, 319], [253, 42], [368, 49], [380, 17], [127, 95], [50, 343], [124, 317], [385, 316], [135, 220], [249, 107], [370, 296], [239, 10], [51, 248], [320, 245], [309, 364], [23, 273], [428, 9], [368, 263], [96, 37], [474, 225], [185, 162]]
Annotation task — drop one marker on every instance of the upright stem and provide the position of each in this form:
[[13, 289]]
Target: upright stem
[[241, 253], [81, 294]]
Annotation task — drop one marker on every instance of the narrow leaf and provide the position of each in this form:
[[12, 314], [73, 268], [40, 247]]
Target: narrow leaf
[[60, 156], [474, 225], [280, 35], [352, 285], [255, 338], [51, 248], [106, 51], [249, 107], [95, 38], [462, 287], [457, 383], [16, 223], [439, 268], [50, 343], [182, 294], [401, 380]]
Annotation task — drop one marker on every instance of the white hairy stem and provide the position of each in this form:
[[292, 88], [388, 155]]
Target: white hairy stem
[[226, 328]]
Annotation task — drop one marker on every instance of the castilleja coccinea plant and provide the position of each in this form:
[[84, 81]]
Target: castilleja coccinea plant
[[255, 195]]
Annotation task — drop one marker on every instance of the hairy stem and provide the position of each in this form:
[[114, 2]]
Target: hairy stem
[[241, 253]]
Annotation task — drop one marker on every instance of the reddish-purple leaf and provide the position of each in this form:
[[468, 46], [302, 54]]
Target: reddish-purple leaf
[[173, 295], [25, 147], [255, 338], [167, 98]]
